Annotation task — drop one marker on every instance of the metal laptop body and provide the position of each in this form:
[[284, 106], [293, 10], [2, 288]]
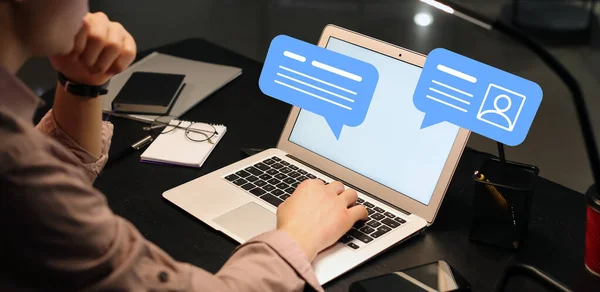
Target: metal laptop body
[[241, 215]]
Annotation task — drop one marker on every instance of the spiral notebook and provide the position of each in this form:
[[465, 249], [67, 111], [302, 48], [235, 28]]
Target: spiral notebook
[[176, 148]]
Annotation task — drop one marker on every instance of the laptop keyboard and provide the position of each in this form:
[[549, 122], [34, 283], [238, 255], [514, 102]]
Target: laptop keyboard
[[274, 180]]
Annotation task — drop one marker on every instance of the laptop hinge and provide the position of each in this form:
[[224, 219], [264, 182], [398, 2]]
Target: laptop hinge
[[350, 185]]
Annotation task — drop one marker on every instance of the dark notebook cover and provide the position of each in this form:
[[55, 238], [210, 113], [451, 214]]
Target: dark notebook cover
[[150, 89]]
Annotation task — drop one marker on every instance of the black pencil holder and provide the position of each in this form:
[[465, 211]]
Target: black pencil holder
[[502, 203]]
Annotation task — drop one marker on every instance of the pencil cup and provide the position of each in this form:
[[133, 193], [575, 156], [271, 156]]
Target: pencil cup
[[502, 203]]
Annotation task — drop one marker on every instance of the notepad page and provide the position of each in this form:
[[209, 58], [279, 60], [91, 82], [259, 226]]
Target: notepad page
[[175, 148]]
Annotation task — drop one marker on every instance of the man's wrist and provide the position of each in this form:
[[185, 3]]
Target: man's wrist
[[309, 249]]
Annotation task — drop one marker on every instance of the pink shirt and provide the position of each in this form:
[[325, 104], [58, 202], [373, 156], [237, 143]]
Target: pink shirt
[[58, 232]]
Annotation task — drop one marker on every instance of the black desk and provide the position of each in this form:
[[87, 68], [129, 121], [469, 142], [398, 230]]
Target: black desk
[[556, 239]]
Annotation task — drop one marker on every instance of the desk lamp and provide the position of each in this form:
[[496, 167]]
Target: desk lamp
[[592, 258]]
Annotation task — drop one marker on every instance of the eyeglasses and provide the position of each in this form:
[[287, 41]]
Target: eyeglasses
[[195, 132]]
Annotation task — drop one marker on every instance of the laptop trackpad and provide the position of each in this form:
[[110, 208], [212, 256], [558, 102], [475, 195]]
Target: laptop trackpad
[[248, 221]]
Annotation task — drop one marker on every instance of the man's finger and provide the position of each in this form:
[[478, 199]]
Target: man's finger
[[358, 212], [80, 42], [336, 187], [127, 55], [97, 34], [112, 49], [350, 197]]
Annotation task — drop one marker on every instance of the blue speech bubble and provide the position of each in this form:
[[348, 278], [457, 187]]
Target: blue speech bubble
[[475, 96], [327, 83]]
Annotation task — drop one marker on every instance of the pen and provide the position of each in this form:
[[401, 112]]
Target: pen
[[499, 198], [134, 147]]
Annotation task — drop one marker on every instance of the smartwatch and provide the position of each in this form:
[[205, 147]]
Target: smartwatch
[[83, 90]]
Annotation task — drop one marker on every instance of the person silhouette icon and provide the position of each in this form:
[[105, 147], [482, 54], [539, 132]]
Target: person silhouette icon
[[497, 116]]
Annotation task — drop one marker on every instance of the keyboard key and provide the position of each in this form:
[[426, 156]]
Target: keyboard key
[[368, 205], [310, 175], [301, 178], [261, 166], [359, 223], [378, 216], [231, 177], [253, 170], [277, 193], [379, 210], [272, 172], [400, 220], [280, 176], [260, 183], [282, 186], [285, 163], [295, 185], [293, 167], [242, 173], [378, 234], [290, 190], [353, 246], [302, 172], [289, 180], [345, 239], [390, 215], [272, 200], [252, 178], [294, 174], [366, 230], [276, 166], [265, 176], [248, 186], [384, 228], [389, 222], [258, 192], [268, 188], [374, 223], [284, 197], [360, 236], [285, 170], [370, 211], [360, 201], [240, 181], [269, 161], [274, 181], [275, 158]]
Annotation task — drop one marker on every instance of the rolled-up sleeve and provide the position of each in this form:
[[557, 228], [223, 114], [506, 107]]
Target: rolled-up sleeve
[[91, 164], [269, 262]]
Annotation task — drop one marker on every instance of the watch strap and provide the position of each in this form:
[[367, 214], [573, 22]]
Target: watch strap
[[82, 89]]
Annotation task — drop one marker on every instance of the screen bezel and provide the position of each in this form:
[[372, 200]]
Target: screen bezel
[[374, 188]]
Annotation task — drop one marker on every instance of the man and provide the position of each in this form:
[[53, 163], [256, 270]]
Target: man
[[58, 232]]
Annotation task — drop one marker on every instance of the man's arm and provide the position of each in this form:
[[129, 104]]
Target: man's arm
[[62, 235], [102, 48], [80, 118]]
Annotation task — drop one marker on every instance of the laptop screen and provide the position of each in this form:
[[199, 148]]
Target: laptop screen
[[389, 147]]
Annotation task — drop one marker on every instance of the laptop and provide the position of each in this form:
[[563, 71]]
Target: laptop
[[400, 171]]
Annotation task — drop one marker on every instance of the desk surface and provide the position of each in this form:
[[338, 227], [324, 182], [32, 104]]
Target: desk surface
[[555, 242]]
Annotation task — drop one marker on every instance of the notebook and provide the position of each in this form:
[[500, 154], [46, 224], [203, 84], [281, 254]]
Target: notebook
[[149, 93], [175, 148]]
